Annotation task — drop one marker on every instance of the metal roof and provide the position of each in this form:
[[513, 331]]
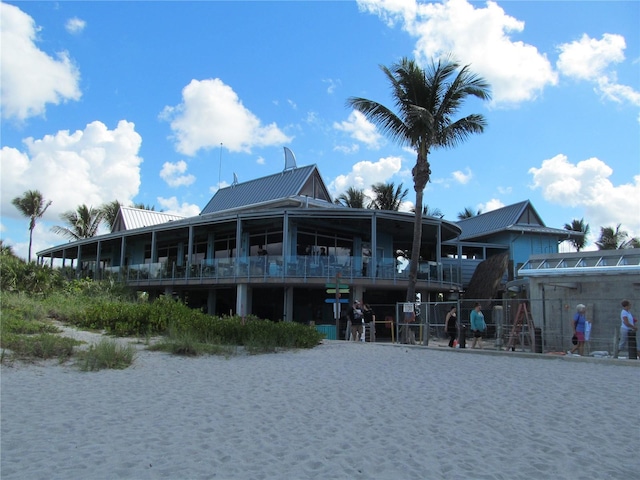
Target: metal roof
[[302, 181], [130, 218], [583, 263], [519, 217]]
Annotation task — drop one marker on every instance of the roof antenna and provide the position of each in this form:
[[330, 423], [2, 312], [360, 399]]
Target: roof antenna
[[235, 180], [289, 159]]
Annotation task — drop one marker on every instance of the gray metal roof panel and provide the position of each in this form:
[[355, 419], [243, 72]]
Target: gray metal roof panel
[[288, 183], [497, 220], [132, 218]]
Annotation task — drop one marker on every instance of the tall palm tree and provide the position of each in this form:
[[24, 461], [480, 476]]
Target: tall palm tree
[[468, 212], [352, 198], [386, 196], [426, 100], [83, 223], [611, 239], [33, 206], [578, 226], [110, 212]]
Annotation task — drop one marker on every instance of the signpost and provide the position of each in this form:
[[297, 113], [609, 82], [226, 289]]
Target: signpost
[[336, 289]]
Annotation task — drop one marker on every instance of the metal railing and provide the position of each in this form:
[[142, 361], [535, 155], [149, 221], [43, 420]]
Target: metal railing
[[279, 267]]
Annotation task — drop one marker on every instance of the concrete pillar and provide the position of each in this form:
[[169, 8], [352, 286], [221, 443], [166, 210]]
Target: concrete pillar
[[243, 299], [211, 301]]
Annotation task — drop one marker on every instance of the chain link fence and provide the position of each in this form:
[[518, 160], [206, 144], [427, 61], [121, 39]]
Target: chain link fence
[[512, 324]]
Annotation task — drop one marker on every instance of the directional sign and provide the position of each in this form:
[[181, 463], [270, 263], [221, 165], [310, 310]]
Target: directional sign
[[333, 285], [341, 290], [333, 300]]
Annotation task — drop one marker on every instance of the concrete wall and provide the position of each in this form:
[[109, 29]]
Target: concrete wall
[[554, 300]]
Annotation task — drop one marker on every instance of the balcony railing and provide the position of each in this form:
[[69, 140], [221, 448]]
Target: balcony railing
[[281, 267]]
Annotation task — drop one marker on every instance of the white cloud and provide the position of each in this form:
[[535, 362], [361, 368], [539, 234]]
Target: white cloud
[[591, 59], [347, 149], [29, 78], [91, 166], [75, 25], [360, 129], [462, 177], [588, 58], [174, 207], [481, 37], [172, 174], [618, 93], [492, 204], [365, 173], [333, 84], [586, 184], [211, 113]]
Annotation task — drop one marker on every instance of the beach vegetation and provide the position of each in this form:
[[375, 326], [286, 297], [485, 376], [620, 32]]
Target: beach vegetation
[[39, 297], [196, 333], [26, 334], [106, 354]]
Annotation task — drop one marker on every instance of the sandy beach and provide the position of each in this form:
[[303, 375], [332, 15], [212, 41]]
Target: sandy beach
[[339, 411]]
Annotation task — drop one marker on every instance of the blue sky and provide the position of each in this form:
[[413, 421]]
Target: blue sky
[[161, 103]]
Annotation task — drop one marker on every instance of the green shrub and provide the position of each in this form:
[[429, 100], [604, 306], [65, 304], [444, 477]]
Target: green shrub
[[43, 346], [106, 354]]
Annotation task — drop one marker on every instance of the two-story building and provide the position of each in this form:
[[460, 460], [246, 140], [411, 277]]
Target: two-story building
[[270, 247]]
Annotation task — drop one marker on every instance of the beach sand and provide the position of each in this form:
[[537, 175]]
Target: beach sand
[[339, 411]]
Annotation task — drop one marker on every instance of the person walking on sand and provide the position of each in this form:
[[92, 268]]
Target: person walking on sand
[[627, 325], [451, 325], [478, 326], [370, 321], [579, 324], [355, 315]]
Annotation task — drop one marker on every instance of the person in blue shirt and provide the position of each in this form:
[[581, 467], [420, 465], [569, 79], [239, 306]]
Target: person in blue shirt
[[579, 324], [478, 326]]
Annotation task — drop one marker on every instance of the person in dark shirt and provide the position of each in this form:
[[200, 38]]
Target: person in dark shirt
[[451, 325], [370, 321], [355, 316]]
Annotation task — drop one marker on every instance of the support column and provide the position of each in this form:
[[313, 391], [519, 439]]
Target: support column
[[243, 299], [287, 312], [211, 301], [97, 274]]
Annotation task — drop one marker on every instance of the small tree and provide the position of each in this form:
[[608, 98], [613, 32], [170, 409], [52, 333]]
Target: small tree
[[83, 223], [387, 196], [578, 226], [468, 212], [352, 198], [33, 206], [611, 239], [110, 212]]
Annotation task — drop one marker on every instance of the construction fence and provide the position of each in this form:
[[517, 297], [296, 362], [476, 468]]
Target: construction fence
[[512, 324]]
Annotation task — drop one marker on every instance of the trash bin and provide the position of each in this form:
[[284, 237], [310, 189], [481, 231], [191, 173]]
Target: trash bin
[[328, 330]]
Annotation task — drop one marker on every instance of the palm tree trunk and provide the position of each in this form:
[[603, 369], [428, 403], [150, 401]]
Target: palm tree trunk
[[415, 248], [421, 173], [30, 243]]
